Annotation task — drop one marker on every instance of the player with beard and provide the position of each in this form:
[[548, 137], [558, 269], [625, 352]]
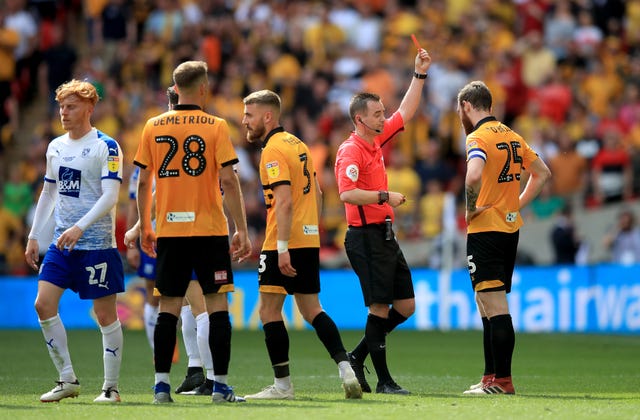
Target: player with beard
[[496, 159], [290, 257]]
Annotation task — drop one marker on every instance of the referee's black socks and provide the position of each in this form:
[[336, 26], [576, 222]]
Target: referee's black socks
[[361, 351], [375, 333]]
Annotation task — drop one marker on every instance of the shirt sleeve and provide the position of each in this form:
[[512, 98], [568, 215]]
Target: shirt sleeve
[[225, 153], [112, 166], [276, 167], [105, 203], [133, 183], [347, 168], [143, 154], [475, 148], [528, 154], [392, 126]]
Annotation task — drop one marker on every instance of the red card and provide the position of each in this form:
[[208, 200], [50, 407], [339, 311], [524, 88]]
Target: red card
[[415, 41]]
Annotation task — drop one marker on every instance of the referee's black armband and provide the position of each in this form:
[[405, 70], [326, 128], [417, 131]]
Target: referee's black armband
[[383, 197]]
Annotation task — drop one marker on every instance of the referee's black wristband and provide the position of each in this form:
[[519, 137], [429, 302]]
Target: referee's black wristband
[[419, 76]]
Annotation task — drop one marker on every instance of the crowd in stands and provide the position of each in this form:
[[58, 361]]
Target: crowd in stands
[[565, 74]]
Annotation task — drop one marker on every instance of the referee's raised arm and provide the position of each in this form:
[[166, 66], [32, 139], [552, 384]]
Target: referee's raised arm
[[411, 98]]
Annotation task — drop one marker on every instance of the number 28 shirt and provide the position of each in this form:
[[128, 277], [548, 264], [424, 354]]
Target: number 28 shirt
[[184, 149], [505, 154]]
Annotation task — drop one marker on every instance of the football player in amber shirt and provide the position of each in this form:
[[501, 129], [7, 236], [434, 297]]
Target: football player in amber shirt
[[496, 157], [191, 156], [290, 257]]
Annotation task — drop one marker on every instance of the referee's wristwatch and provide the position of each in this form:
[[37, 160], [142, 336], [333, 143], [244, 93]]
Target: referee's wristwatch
[[383, 197]]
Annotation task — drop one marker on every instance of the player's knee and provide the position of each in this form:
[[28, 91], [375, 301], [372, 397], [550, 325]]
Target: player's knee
[[310, 313], [269, 314], [105, 318], [44, 308], [405, 307]]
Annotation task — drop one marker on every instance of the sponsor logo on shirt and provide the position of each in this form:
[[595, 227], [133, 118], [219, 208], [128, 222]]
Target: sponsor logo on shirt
[[273, 169], [113, 163], [310, 229], [69, 181], [511, 217], [181, 216]]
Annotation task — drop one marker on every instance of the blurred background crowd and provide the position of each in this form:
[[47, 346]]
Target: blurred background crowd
[[564, 74]]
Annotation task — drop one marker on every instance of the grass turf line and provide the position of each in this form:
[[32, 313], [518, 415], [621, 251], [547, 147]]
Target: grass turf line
[[555, 375]]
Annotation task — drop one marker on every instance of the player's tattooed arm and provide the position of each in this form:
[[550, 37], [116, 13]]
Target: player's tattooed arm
[[472, 198]]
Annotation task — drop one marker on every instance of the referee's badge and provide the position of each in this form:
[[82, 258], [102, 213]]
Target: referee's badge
[[273, 169], [352, 172]]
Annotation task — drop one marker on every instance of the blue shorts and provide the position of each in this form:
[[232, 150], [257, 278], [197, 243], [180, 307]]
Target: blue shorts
[[91, 274], [147, 267]]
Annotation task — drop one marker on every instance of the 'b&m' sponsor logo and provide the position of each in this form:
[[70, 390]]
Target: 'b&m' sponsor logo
[[69, 181]]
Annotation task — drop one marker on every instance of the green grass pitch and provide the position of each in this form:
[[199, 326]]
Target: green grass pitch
[[556, 376]]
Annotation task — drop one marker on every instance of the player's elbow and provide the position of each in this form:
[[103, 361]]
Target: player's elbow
[[346, 197], [229, 183], [473, 178], [544, 175]]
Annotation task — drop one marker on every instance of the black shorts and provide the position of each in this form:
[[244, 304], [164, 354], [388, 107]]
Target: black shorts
[[380, 265], [491, 257], [306, 261], [206, 256]]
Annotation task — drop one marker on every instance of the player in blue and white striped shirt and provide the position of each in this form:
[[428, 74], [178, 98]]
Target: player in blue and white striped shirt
[[82, 182]]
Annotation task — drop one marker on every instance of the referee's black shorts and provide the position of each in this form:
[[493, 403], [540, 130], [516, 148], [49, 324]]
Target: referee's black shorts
[[380, 265], [491, 257], [206, 256]]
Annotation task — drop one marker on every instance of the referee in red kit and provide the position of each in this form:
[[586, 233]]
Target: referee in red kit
[[370, 244]]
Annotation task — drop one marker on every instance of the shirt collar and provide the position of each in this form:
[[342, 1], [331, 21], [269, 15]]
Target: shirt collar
[[484, 120], [186, 107], [369, 146], [271, 133]]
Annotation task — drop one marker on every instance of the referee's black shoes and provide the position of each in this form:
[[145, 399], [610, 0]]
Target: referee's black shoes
[[390, 387]]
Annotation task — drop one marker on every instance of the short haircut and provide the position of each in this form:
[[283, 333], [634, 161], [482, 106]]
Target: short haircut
[[359, 103], [81, 88], [172, 96], [263, 97], [477, 94], [188, 75]]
